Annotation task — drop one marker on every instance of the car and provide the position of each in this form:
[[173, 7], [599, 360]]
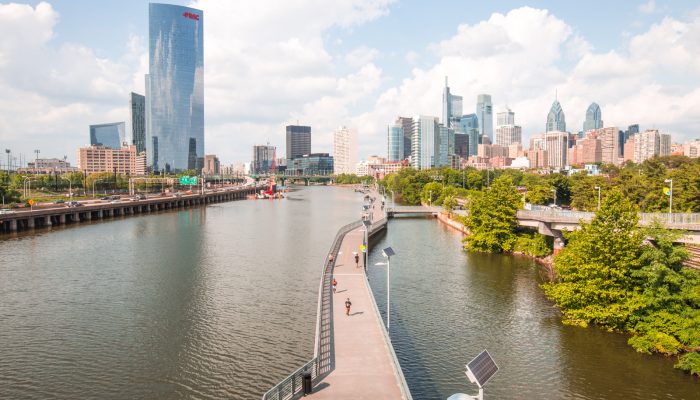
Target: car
[[74, 204], [114, 201], [105, 198], [60, 201]]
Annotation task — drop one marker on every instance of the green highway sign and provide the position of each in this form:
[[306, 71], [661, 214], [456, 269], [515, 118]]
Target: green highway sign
[[188, 180]]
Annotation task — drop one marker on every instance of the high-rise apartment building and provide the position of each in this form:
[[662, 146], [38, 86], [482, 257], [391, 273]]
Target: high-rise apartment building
[[556, 122], [406, 124], [263, 159], [175, 88], [484, 113], [664, 145], [648, 144], [395, 139], [137, 122], [110, 135], [556, 145], [507, 132], [426, 132], [344, 150], [298, 141], [451, 106], [122, 161], [692, 148], [594, 118]]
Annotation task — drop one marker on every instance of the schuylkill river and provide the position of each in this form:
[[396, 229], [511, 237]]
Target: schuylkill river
[[220, 302]]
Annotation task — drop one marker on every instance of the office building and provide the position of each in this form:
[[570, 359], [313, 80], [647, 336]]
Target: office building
[[594, 119], [556, 122], [469, 125], [108, 135], [395, 141], [451, 106], [212, 166], [692, 148], [312, 164], [298, 141], [484, 114], [406, 124], [136, 124], [507, 132], [556, 144], [462, 145], [426, 132], [175, 89], [123, 161], [263, 159], [344, 150], [645, 145], [444, 146], [47, 166], [664, 145]]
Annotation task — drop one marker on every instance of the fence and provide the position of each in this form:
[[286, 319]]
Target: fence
[[324, 359]]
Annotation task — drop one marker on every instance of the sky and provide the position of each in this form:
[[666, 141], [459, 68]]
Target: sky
[[361, 63]]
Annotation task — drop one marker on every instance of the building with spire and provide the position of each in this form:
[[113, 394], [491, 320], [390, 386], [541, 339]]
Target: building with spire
[[594, 119], [451, 106], [556, 121]]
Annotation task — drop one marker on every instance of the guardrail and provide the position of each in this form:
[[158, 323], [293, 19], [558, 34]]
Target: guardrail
[[674, 220], [324, 358]]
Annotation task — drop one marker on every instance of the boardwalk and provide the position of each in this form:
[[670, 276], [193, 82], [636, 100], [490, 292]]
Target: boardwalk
[[364, 368]]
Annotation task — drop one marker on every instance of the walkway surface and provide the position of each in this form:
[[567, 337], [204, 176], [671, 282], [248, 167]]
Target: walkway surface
[[363, 363]]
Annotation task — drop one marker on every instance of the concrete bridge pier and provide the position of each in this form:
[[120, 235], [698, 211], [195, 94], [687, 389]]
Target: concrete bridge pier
[[62, 219], [13, 225], [47, 221], [30, 222], [88, 216]]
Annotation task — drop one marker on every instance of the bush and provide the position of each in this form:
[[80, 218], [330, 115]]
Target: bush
[[535, 245], [690, 363]]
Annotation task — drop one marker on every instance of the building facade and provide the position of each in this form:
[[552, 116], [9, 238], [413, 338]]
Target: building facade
[[426, 131], [556, 121], [137, 122], [508, 134], [175, 89], [110, 135], [395, 145], [484, 114], [212, 166], [263, 159], [298, 140], [312, 164], [47, 166], [344, 150], [692, 148], [121, 161], [556, 145], [469, 125], [451, 106]]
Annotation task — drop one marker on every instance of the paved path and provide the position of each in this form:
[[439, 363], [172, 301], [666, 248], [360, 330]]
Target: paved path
[[363, 365]]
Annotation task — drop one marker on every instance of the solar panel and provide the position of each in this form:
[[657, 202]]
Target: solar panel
[[481, 368], [388, 252]]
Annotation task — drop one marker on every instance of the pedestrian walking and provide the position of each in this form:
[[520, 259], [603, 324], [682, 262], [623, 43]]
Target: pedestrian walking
[[330, 258], [348, 304], [357, 260], [335, 285]]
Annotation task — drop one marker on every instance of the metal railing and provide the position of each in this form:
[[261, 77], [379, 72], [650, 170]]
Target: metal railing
[[675, 220], [323, 361]]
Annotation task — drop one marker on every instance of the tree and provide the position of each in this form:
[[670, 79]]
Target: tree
[[431, 193], [594, 270], [491, 221]]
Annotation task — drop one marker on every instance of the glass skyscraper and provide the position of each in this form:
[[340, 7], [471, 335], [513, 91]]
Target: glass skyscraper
[[594, 119], [137, 122], [484, 112], [108, 135], [451, 106], [298, 141], [175, 88], [395, 143], [555, 119], [469, 125]]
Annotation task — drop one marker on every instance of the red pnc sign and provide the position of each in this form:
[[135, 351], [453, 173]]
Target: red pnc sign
[[190, 15]]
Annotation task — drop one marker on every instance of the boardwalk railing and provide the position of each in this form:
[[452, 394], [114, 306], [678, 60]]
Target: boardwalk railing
[[324, 358]]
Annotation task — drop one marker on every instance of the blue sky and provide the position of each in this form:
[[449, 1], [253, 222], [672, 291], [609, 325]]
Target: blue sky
[[360, 64]]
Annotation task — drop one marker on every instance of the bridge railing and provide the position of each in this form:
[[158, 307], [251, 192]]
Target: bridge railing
[[670, 219], [674, 220], [324, 357]]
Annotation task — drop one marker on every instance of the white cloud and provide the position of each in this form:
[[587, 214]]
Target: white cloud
[[360, 56], [647, 8]]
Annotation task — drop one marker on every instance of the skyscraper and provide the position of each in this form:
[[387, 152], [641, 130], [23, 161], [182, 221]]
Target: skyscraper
[[469, 125], [451, 106], [395, 143], [344, 151], [263, 158], [507, 132], [556, 145], [298, 141], [425, 132], [175, 88], [108, 135], [594, 119], [137, 122], [407, 126], [555, 119], [484, 112]]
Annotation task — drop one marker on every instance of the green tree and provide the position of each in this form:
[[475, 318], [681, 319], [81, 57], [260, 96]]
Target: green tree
[[431, 193], [540, 194], [491, 221], [594, 270]]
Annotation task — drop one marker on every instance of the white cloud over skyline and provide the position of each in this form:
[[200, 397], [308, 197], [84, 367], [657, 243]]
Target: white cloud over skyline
[[267, 65]]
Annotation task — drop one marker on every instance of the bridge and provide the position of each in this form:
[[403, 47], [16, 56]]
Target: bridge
[[353, 355], [395, 211], [23, 219]]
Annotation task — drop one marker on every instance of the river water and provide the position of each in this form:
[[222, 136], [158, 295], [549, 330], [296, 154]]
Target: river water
[[220, 302]]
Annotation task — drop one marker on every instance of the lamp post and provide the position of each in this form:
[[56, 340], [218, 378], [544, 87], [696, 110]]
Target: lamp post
[[7, 151], [366, 224], [70, 188], [387, 253], [555, 196], [670, 202], [598, 189]]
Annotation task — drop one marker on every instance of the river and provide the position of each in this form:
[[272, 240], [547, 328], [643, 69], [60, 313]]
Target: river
[[220, 302]]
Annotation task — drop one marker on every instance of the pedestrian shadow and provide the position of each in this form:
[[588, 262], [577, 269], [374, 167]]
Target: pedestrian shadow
[[357, 313], [321, 386], [341, 291]]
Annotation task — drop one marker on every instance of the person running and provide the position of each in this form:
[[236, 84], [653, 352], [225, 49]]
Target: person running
[[335, 285], [348, 304], [357, 260]]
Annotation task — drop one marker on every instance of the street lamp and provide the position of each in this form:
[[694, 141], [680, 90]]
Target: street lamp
[[387, 253], [598, 189], [70, 187], [555, 196], [366, 224], [670, 203]]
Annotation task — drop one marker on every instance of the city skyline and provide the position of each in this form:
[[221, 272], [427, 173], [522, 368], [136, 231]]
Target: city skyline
[[337, 73]]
